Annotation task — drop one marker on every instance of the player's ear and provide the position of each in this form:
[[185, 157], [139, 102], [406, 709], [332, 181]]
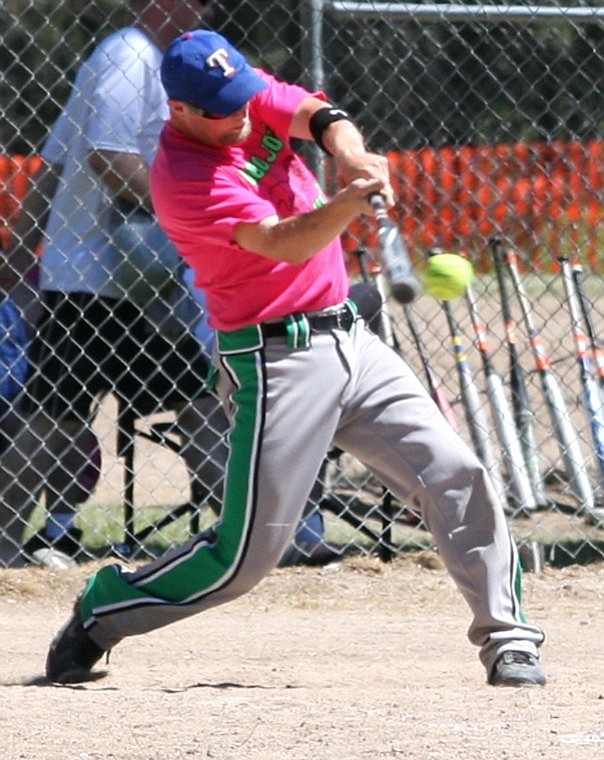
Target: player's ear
[[176, 106]]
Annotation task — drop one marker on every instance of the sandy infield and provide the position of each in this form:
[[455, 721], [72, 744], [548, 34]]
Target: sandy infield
[[358, 659]]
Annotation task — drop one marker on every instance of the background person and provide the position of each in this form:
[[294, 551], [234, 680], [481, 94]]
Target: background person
[[94, 334]]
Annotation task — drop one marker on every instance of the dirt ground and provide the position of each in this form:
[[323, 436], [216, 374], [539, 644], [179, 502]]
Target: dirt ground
[[358, 659]]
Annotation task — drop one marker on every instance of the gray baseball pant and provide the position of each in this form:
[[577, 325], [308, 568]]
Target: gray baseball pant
[[289, 400]]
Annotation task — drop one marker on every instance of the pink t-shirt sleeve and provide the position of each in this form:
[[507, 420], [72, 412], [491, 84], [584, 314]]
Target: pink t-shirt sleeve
[[277, 104]]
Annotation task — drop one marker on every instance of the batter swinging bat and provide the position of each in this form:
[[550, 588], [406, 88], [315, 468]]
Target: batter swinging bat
[[584, 302], [566, 435], [593, 401], [404, 285], [521, 489], [523, 414]]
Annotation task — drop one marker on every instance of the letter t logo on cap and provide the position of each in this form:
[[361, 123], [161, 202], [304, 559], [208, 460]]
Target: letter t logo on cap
[[220, 59]]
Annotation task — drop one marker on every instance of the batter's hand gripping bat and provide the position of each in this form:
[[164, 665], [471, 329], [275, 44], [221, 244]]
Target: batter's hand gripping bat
[[523, 414], [566, 435]]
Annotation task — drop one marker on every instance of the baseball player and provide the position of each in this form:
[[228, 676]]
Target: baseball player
[[295, 366]]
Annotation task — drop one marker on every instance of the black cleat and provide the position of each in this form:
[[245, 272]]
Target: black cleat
[[72, 652], [517, 669]]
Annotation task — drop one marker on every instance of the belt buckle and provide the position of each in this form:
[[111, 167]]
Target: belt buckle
[[344, 318]]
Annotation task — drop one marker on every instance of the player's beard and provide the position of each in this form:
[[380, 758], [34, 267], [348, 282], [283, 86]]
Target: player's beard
[[238, 134]]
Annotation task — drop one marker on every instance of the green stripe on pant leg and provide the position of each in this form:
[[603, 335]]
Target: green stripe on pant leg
[[210, 565], [244, 442], [107, 587], [518, 590], [214, 561]]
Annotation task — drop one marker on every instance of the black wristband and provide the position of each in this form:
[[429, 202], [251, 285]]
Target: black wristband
[[321, 119]]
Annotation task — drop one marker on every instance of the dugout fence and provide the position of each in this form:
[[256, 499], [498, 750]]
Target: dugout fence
[[492, 118]]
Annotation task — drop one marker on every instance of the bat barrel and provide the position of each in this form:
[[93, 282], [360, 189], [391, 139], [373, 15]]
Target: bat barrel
[[404, 285]]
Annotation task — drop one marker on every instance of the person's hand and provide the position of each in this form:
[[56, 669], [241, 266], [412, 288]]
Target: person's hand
[[355, 195], [356, 164]]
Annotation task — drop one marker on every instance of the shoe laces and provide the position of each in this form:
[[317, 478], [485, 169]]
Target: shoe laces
[[518, 658]]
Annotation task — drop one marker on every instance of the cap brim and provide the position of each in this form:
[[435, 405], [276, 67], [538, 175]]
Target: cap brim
[[236, 93]]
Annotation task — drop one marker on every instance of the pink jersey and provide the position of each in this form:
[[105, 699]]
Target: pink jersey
[[201, 193]]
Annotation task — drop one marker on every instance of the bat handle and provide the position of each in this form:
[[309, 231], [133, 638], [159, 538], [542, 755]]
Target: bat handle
[[398, 269]]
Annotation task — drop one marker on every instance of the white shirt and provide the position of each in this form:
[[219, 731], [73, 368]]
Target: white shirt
[[117, 103]]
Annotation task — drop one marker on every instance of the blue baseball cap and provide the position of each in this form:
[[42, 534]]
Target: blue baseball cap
[[203, 68]]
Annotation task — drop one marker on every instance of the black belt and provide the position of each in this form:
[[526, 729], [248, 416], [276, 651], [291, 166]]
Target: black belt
[[342, 319]]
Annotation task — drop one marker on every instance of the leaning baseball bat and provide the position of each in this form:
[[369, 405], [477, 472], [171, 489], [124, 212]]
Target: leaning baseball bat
[[596, 347], [474, 408], [523, 414], [566, 435], [404, 285], [591, 392], [520, 485]]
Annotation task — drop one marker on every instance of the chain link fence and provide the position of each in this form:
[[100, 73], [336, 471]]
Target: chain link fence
[[492, 119]]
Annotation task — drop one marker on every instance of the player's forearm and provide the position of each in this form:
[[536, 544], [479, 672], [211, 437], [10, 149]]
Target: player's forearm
[[298, 238], [343, 141], [126, 174], [352, 160]]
